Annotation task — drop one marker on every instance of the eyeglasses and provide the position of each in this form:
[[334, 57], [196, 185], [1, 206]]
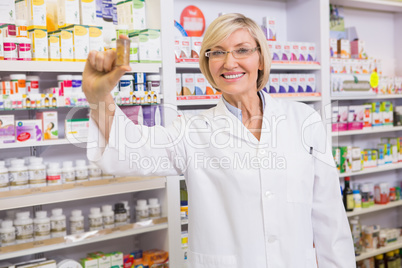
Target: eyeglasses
[[237, 53]]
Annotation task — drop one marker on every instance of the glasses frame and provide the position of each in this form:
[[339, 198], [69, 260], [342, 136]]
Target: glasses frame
[[207, 54]]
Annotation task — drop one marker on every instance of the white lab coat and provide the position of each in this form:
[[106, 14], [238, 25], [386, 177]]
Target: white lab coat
[[246, 207]]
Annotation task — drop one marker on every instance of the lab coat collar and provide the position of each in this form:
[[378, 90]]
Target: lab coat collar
[[225, 121]]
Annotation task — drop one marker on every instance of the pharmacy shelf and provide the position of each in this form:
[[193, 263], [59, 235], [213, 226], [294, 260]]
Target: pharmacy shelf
[[209, 100], [66, 67], [184, 222], [86, 238], [383, 5], [374, 208], [78, 191], [297, 66], [39, 143], [366, 131], [383, 168], [367, 97], [390, 247]]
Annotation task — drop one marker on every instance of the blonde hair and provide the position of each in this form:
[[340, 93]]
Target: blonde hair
[[220, 29]]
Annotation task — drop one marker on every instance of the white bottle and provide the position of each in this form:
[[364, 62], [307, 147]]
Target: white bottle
[[141, 210], [94, 172], [154, 208], [7, 233], [53, 175], [126, 206], [357, 197], [76, 222], [81, 170], [37, 172], [18, 175], [8, 161], [108, 216], [4, 181], [58, 223], [41, 226], [95, 219], [68, 172], [24, 228]]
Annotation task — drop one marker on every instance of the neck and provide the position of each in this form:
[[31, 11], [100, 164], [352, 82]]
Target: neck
[[249, 103]]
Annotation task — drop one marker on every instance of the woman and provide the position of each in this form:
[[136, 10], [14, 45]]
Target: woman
[[261, 181]]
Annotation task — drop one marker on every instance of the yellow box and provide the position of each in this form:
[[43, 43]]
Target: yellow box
[[68, 12], [80, 41], [39, 44], [88, 12], [54, 47], [96, 38], [36, 14], [66, 44]]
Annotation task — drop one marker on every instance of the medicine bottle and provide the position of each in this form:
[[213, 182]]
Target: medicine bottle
[[37, 172], [379, 261], [24, 49], [24, 228], [18, 175], [32, 84], [357, 199], [154, 83], [108, 216], [4, 181], [154, 208], [141, 210], [76, 222], [94, 172], [95, 219], [122, 52], [77, 83], [19, 83], [68, 172], [127, 207], [58, 223], [7, 233], [126, 83], [120, 214], [81, 170], [65, 84], [53, 174], [41, 226]]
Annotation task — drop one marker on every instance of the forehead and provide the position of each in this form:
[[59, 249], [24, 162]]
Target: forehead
[[238, 37]]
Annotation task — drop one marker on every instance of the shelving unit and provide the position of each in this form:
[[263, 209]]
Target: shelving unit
[[40, 143], [383, 5], [374, 208], [288, 66], [390, 247], [372, 170], [365, 131], [367, 97], [86, 238]]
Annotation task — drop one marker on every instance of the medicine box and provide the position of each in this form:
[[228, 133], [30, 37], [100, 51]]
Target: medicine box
[[28, 130], [49, 124], [344, 48], [302, 83], [310, 83], [96, 38], [303, 51], [293, 83], [77, 129], [66, 44], [188, 84], [294, 51], [336, 153], [178, 84], [88, 12], [68, 13], [80, 41], [200, 84], [36, 14], [269, 27], [116, 259], [283, 83], [367, 116], [210, 90], [196, 43], [311, 54], [355, 117], [21, 11], [356, 159], [39, 44], [89, 262], [376, 114], [185, 47], [387, 113], [339, 118], [9, 12], [274, 83], [286, 53], [357, 48], [149, 46], [7, 129], [54, 47], [276, 50], [177, 48], [346, 159]]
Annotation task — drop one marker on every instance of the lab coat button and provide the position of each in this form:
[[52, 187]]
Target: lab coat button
[[262, 151], [271, 239], [269, 194]]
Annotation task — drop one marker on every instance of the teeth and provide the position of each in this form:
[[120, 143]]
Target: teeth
[[233, 76]]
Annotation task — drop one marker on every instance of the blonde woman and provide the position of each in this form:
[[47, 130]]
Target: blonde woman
[[261, 181]]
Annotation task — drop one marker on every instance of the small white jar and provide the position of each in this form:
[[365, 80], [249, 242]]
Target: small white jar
[[108, 216], [24, 228], [81, 170], [94, 172], [37, 172], [58, 223], [154, 208], [76, 222], [41, 226], [68, 172], [53, 175], [95, 219], [141, 210], [7, 233], [18, 175], [4, 177]]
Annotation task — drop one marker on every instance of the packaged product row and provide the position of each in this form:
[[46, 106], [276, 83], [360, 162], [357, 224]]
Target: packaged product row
[[21, 228], [154, 258], [353, 159], [366, 116], [346, 49], [291, 83], [32, 172], [355, 66], [187, 49], [367, 194], [193, 84], [184, 243]]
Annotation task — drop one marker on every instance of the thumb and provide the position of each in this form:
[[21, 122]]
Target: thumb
[[115, 75]]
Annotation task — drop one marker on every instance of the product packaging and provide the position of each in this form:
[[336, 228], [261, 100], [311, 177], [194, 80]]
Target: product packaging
[[355, 117], [178, 84], [346, 159], [274, 83], [80, 41], [88, 12], [68, 13], [49, 124], [7, 129], [36, 14], [96, 38], [77, 129], [200, 85], [188, 84], [54, 47], [269, 27], [28, 130], [39, 44], [196, 43], [344, 48]]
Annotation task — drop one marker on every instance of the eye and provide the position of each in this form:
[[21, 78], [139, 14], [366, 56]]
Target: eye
[[217, 53], [242, 51]]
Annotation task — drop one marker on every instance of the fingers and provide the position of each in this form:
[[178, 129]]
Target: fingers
[[109, 59], [123, 36], [117, 73], [99, 59]]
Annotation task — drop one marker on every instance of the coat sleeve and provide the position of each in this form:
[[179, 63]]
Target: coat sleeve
[[138, 150], [332, 235]]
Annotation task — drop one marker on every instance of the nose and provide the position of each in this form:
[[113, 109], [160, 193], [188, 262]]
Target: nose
[[230, 61]]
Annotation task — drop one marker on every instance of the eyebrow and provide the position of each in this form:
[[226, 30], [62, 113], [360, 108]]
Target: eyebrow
[[238, 45]]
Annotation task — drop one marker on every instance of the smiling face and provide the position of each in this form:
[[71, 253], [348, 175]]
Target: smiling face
[[236, 76]]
